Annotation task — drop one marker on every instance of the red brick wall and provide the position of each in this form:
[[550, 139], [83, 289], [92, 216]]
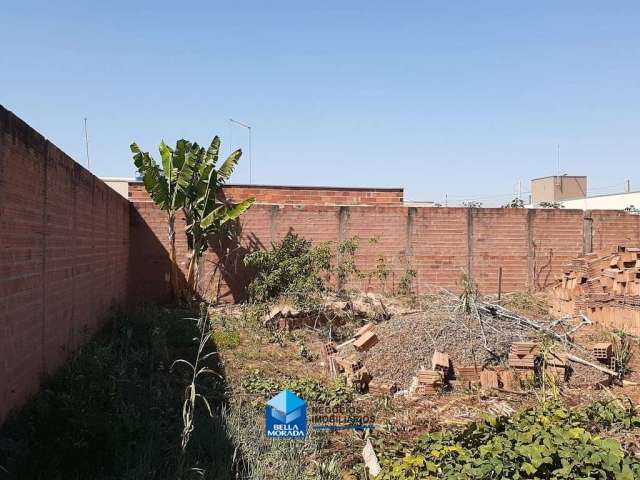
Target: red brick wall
[[64, 247], [557, 236], [612, 228], [286, 195], [440, 244], [499, 239]]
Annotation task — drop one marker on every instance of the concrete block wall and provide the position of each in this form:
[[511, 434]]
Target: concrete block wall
[[64, 249]]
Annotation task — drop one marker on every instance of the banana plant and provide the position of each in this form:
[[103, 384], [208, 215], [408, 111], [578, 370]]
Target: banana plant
[[205, 212], [167, 187], [189, 181]]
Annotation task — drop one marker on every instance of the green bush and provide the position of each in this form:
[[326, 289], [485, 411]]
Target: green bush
[[336, 392], [225, 339], [547, 442], [292, 267]]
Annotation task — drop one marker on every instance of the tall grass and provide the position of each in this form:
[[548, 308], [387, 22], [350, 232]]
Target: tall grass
[[114, 412]]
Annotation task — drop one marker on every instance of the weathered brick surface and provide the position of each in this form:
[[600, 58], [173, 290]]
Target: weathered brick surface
[[64, 246], [499, 239], [531, 246], [439, 247], [557, 237], [290, 195], [613, 228]]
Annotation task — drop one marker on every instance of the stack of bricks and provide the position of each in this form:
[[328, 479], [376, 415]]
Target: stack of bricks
[[507, 379], [369, 327], [467, 376], [523, 355], [365, 341], [429, 382], [440, 362], [349, 365], [604, 354], [382, 388], [605, 287], [489, 379], [330, 349]]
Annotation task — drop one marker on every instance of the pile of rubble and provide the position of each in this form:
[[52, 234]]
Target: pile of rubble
[[409, 341], [604, 287], [346, 359], [489, 349], [334, 309]]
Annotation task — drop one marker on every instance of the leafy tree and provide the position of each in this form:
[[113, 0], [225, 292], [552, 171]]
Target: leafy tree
[[515, 203], [550, 205], [189, 181]]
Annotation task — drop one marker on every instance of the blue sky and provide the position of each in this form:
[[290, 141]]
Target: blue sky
[[456, 99]]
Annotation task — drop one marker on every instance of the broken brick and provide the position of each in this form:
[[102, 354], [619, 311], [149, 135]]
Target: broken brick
[[366, 341]]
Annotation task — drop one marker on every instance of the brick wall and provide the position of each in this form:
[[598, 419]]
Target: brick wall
[[64, 247], [287, 195], [440, 244]]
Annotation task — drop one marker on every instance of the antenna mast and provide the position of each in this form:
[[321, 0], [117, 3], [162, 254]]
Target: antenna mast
[[86, 141]]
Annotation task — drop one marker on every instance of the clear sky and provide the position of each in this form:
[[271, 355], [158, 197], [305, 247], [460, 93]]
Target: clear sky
[[461, 98]]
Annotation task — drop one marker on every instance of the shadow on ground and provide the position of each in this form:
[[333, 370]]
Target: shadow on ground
[[115, 411]]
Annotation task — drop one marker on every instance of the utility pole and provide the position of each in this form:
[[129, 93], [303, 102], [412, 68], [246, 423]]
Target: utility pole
[[628, 186], [248, 127]]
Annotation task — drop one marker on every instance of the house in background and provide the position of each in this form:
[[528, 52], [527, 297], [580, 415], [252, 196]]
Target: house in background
[[571, 192]]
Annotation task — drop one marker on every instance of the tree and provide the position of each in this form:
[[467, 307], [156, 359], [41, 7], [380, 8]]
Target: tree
[[189, 180], [165, 191], [550, 205], [206, 214], [515, 203]]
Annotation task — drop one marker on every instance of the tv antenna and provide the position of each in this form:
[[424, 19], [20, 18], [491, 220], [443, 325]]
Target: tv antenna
[[86, 142], [248, 127]]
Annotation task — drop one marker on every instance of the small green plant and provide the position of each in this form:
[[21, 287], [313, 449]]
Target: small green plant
[[548, 374], [306, 354], [329, 469], [382, 270], [292, 267], [468, 294], [622, 351], [197, 371], [405, 284], [346, 267], [335, 392], [632, 209], [225, 339], [549, 441], [472, 204]]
